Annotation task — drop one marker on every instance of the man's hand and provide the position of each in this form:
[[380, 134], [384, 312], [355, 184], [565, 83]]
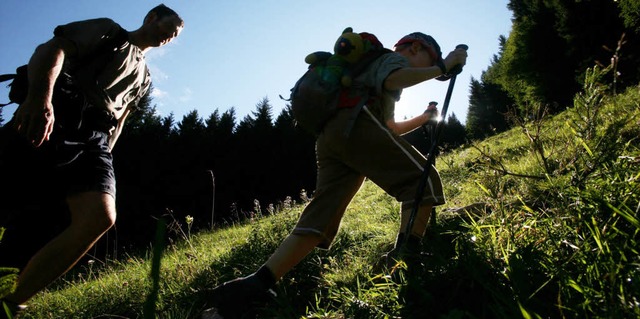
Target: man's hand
[[34, 121]]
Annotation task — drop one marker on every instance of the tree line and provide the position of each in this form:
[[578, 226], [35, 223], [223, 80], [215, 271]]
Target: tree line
[[542, 63]]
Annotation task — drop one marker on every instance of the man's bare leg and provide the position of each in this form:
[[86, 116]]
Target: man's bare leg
[[92, 214]]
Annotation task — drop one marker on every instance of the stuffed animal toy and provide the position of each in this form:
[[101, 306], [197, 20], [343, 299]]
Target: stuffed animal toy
[[347, 50]]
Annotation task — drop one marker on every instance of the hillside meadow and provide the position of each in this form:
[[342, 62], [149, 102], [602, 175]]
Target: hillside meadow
[[542, 221]]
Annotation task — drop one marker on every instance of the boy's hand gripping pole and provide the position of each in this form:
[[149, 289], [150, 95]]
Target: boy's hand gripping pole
[[432, 150]]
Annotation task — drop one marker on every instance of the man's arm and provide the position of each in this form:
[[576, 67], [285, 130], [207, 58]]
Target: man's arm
[[34, 117]]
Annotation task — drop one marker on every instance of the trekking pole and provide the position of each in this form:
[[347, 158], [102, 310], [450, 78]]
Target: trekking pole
[[429, 130], [434, 141], [431, 155]]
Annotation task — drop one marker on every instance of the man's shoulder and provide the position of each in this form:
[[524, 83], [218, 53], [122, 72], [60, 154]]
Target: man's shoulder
[[106, 23], [90, 32], [91, 24]]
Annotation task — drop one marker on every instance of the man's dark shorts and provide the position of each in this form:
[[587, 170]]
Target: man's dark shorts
[[68, 164], [36, 181]]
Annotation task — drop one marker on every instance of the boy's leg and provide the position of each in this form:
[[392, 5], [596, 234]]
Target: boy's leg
[[237, 297], [317, 226], [420, 222], [412, 240], [399, 172], [292, 250]]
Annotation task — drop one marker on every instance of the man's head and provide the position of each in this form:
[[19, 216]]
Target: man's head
[[412, 45], [162, 11], [161, 25]]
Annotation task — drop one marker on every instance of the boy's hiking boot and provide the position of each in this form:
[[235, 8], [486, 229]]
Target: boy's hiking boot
[[240, 298], [409, 252]]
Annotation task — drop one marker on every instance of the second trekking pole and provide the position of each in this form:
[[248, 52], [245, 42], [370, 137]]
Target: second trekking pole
[[432, 150]]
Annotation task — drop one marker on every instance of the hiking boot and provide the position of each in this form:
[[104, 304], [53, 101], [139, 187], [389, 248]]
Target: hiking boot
[[390, 258], [211, 313], [408, 252], [240, 298]]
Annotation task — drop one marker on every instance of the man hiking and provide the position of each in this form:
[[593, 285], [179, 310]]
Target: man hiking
[[57, 146], [373, 150]]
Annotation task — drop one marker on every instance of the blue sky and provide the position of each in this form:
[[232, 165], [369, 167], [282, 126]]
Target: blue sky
[[235, 53]]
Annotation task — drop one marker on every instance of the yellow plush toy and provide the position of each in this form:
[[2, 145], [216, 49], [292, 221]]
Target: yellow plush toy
[[349, 46], [348, 49]]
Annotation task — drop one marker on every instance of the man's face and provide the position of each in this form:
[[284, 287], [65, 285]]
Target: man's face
[[163, 30]]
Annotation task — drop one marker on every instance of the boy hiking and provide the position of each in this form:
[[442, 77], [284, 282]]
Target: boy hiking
[[373, 150], [57, 147]]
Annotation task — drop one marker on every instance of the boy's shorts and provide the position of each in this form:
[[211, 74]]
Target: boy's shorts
[[370, 151]]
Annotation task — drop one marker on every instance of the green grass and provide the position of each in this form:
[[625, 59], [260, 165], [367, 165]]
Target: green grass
[[557, 236]]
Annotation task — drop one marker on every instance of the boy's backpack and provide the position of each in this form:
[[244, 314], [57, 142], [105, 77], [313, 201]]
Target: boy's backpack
[[64, 83], [327, 84]]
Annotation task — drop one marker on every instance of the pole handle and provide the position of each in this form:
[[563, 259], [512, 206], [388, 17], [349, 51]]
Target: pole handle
[[458, 68]]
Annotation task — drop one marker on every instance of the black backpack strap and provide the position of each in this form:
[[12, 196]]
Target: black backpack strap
[[355, 111], [371, 56], [7, 77], [18, 85], [107, 49], [4, 78]]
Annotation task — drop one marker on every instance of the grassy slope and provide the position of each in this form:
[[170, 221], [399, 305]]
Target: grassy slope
[[556, 236]]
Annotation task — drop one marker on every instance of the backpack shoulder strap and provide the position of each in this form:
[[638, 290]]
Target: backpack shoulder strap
[[4, 78], [364, 98], [17, 86], [113, 44], [371, 56], [79, 75]]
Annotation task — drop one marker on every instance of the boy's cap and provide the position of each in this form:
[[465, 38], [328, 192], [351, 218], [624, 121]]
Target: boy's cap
[[426, 41]]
